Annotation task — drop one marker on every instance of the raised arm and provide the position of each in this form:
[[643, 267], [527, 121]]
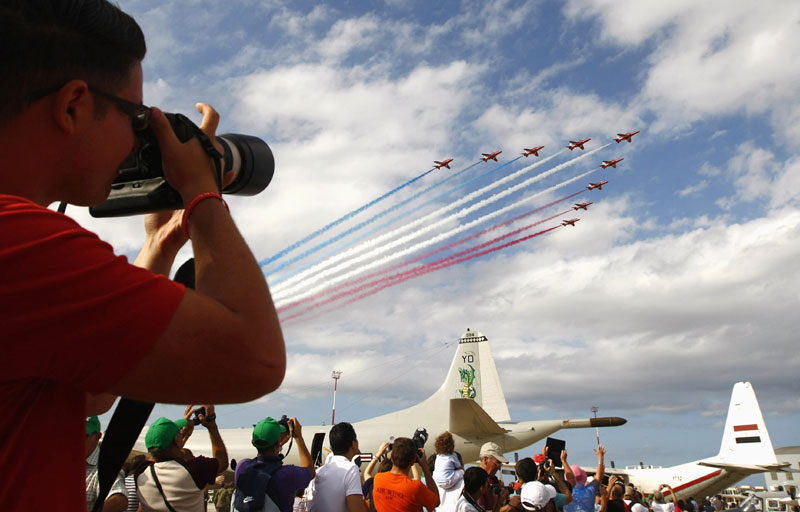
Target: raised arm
[[223, 343], [374, 462], [601, 453]]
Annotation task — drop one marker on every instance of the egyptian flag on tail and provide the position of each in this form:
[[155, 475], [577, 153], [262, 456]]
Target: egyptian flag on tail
[[746, 433]]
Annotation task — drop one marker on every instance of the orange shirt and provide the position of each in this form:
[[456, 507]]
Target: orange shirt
[[398, 493]]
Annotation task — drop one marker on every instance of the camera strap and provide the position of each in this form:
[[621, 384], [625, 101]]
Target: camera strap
[[127, 422], [208, 147]]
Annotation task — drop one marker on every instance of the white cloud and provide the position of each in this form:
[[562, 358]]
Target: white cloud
[[693, 190]]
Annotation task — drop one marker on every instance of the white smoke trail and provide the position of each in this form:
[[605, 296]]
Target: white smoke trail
[[306, 277], [282, 297], [406, 227], [438, 238]]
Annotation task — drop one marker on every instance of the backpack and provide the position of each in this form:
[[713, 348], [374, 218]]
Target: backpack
[[251, 487]]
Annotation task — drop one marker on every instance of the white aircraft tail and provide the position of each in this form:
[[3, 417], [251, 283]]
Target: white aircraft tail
[[473, 375], [745, 442]]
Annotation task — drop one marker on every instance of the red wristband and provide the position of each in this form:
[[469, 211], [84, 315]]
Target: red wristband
[[188, 210]]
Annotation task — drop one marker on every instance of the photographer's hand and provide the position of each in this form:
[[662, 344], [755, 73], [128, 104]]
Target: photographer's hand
[[230, 317], [164, 238]]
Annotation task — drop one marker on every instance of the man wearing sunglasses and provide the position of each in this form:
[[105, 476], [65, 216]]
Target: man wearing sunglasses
[[80, 324]]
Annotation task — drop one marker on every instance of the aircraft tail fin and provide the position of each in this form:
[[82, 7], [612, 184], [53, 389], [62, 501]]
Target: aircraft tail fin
[[745, 442], [473, 375], [467, 418]]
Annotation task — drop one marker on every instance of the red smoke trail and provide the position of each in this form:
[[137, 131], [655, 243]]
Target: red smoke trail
[[431, 253], [420, 270]]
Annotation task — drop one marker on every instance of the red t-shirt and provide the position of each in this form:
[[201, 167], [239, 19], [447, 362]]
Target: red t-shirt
[[398, 493], [75, 318]]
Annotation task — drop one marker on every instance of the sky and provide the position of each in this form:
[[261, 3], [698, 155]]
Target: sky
[[680, 280]]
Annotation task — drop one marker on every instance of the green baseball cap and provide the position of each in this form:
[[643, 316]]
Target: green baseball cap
[[92, 425], [267, 432], [162, 433]]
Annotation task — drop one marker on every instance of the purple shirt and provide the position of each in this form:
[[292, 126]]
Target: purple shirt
[[285, 481]]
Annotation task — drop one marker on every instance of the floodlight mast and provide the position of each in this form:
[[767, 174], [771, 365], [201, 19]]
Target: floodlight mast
[[335, 375]]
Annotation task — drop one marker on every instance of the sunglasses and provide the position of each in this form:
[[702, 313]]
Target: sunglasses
[[138, 113]]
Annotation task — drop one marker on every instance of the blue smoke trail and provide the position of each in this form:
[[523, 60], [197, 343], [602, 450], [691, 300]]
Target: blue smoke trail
[[364, 223], [376, 217], [341, 219]]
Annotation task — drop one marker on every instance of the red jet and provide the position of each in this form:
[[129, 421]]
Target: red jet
[[570, 222], [598, 185], [444, 163], [611, 163], [625, 136], [490, 156], [577, 144], [582, 206], [532, 151]]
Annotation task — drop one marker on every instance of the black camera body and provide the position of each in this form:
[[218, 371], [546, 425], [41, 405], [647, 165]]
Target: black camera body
[[197, 413], [420, 437], [142, 188], [497, 489], [284, 421]]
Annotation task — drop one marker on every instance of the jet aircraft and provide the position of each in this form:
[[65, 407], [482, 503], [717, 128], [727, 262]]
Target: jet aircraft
[[470, 404], [570, 222], [490, 156], [611, 163], [532, 151], [625, 136], [443, 163], [577, 144], [746, 449], [598, 185], [582, 206]]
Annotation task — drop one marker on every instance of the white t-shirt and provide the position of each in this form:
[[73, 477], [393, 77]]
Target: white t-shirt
[[637, 507], [465, 506], [447, 471], [335, 481], [662, 507]]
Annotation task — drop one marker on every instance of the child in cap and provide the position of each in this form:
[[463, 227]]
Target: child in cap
[[448, 471]]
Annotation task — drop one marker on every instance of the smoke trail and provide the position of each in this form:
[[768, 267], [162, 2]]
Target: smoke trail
[[376, 217], [421, 257], [420, 271], [342, 219], [431, 241], [370, 243]]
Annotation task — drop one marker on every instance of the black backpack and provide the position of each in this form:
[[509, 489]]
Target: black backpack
[[251, 486]]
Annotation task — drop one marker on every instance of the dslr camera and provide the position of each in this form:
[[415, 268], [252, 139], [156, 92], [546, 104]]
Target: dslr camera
[[201, 411], [420, 437], [497, 489], [142, 188]]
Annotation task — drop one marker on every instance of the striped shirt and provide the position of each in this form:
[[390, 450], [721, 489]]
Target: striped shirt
[[92, 483]]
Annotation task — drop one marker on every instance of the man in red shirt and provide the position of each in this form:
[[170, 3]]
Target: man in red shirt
[[394, 492], [80, 324]]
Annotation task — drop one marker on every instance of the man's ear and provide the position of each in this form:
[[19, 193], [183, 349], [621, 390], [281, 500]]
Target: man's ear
[[73, 105]]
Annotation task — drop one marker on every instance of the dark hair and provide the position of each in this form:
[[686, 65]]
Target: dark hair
[[404, 452], [474, 478], [341, 437], [385, 465], [444, 443], [46, 43], [527, 470], [131, 465]]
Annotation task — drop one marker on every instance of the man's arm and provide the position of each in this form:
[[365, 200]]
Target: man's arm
[[601, 453], [569, 476], [230, 319], [562, 487], [422, 460], [302, 449], [356, 503], [374, 462], [217, 445], [115, 503]]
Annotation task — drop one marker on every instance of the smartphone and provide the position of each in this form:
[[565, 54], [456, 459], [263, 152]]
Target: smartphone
[[554, 449]]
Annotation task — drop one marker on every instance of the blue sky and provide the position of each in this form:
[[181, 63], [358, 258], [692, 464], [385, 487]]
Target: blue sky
[[680, 280]]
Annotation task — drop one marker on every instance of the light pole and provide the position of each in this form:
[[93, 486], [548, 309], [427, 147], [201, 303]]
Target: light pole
[[596, 429], [335, 374]]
